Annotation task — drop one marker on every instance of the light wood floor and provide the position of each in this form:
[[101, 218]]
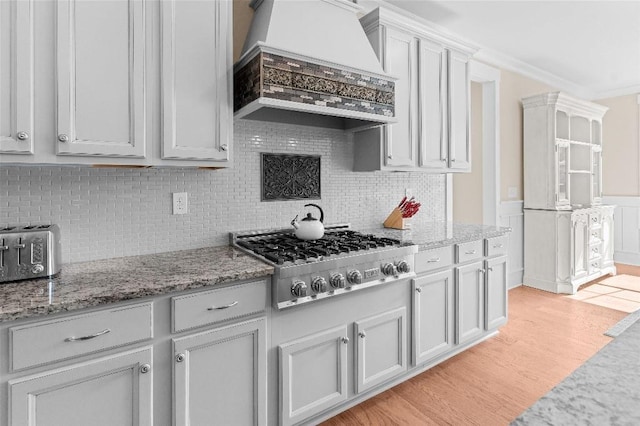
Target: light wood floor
[[546, 338]]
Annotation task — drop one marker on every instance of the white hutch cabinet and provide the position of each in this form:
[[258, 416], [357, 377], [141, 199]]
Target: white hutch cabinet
[[431, 99], [568, 233]]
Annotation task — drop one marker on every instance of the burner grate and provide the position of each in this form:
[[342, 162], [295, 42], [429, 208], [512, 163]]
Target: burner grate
[[281, 248]]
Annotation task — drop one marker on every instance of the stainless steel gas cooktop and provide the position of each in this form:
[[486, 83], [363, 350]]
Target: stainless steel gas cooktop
[[342, 261]]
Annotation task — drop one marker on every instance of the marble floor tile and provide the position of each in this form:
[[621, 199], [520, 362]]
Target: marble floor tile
[[614, 303]]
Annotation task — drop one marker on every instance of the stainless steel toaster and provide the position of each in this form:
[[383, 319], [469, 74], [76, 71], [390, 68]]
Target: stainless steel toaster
[[29, 252]]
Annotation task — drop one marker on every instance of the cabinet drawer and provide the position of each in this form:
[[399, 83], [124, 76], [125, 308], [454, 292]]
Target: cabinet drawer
[[594, 251], [594, 219], [208, 307], [50, 341], [594, 266], [467, 252], [430, 260], [495, 246]]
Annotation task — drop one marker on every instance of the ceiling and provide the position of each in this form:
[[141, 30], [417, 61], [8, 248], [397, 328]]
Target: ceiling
[[590, 49]]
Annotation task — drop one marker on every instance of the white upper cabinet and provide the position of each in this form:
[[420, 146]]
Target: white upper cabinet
[[562, 152], [401, 138], [16, 77], [458, 79], [118, 82], [431, 99], [100, 78], [196, 88]]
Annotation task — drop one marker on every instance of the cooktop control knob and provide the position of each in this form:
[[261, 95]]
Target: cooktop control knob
[[354, 276], [389, 269], [319, 284], [403, 267], [299, 289], [36, 269], [337, 281]]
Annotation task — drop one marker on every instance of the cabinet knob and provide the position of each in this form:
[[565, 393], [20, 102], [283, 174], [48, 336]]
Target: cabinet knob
[[145, 368], [224, 147], [362, 334], [345, 340], [453, 160], [63, 138], [418, 290], [180, 357], [482, 271], [490, 268], [444, 160], [390, 157], [23, 136]]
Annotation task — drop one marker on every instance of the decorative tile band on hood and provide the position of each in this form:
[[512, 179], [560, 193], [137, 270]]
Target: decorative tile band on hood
[[279, 78]]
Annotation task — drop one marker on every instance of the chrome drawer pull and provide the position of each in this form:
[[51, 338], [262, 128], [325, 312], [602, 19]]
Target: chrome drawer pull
[[92, 336], [470, 252], [215, 308], [434, 260]]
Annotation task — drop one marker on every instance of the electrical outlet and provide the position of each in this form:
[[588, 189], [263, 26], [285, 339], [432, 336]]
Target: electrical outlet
[[408, 192], [180, 205]]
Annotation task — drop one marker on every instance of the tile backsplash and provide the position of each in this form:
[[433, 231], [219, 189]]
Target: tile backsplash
[[105, 213]]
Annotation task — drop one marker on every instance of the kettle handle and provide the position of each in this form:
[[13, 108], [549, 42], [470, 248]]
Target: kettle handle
[[319, 208]]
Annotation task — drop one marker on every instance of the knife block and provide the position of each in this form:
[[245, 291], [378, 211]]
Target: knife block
[[396, 221]]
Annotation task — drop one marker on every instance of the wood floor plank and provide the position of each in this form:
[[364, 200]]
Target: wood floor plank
[[546, 338]]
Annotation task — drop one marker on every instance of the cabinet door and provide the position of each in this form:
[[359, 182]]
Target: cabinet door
[[100, 60], [401, 138], [313, 374], [469, 302], [16, 76], [596, 175], [496, 292], [381, 348], [114, 390], [607, 236], [196, 80], [433, 147], [458, 82], [220, 376], [562, 174], [433, 316], [579, 242]]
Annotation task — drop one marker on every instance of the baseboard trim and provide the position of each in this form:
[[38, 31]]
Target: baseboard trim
[[626, 257], [515, 278]]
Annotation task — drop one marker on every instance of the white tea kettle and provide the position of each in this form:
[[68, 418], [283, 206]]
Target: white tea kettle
[[309, 228]]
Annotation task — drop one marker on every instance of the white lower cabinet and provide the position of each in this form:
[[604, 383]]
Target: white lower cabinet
[[433, 316], [313, 374], [114, 390], [315, 370], [469, 302], [220, 376], [496, 292], [381, 348]]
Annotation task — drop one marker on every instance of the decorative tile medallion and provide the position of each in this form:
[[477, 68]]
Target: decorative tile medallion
[[290, 177], [278, 77]]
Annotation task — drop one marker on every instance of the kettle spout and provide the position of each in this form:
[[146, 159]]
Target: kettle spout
[[294, 222]]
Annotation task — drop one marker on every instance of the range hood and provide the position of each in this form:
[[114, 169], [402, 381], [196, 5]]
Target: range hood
[[309, 62]]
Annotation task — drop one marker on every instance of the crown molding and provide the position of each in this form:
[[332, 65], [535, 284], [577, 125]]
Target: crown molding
[[511, 64], [614, 93]]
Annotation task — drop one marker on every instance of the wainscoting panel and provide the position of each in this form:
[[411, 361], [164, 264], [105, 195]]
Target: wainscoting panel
[[626, 234], [512, 215]]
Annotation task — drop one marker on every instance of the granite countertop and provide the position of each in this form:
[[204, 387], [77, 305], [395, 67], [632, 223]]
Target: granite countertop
[[430, 235], [87, 284]]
